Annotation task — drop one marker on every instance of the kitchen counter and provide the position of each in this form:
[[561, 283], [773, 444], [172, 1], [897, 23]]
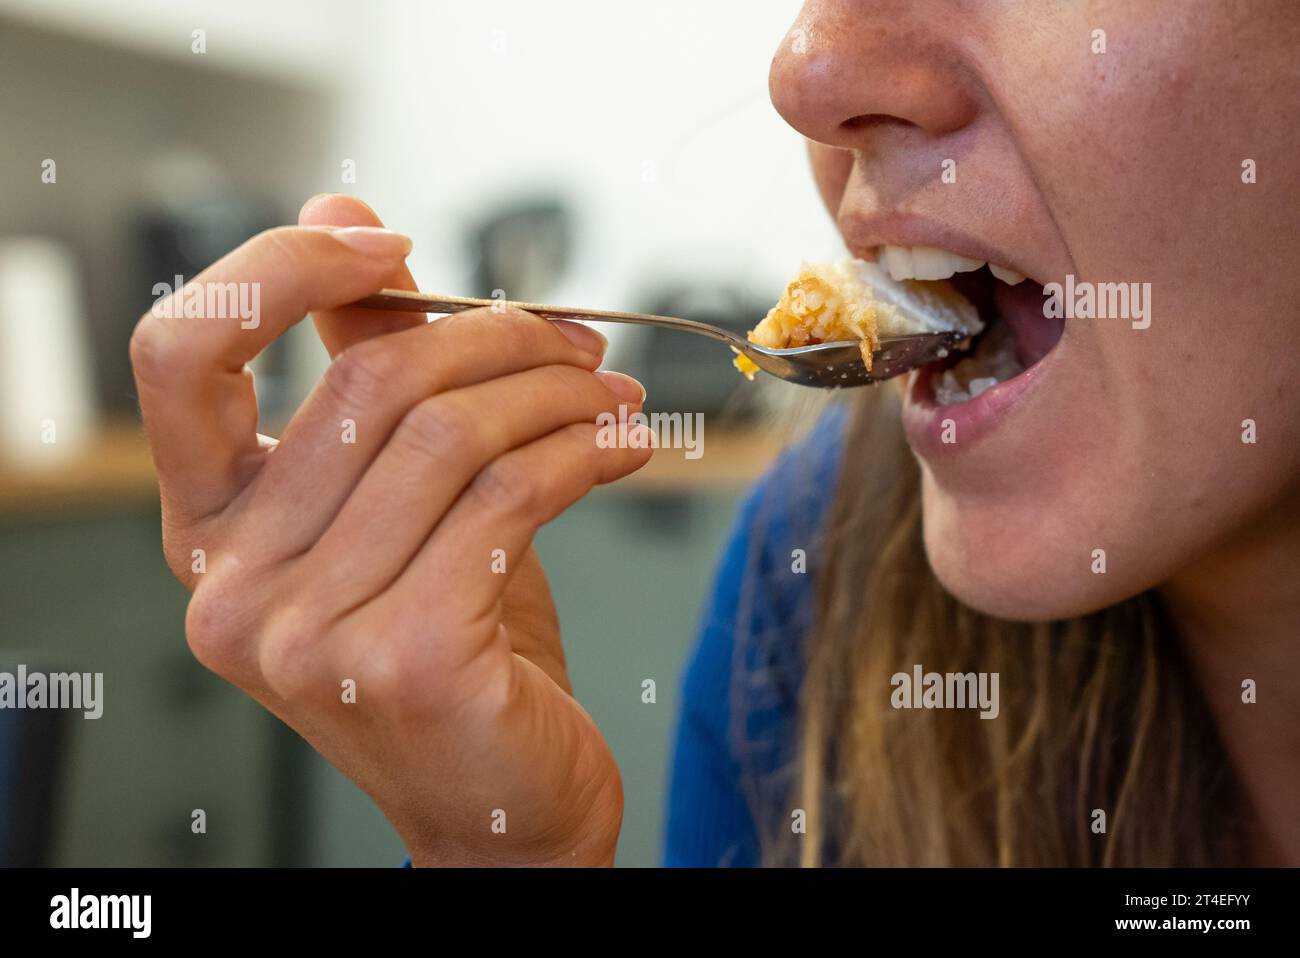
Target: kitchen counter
[[116, 469]]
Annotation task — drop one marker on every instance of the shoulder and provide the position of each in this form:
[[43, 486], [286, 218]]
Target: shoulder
[[740, 689], [765, 581]]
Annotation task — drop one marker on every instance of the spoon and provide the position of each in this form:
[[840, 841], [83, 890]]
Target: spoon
[[827, 365]]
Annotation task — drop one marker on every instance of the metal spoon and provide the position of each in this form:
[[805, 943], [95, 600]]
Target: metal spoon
[[827, 365]]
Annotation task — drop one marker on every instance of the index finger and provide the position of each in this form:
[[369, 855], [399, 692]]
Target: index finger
[[189, 352]]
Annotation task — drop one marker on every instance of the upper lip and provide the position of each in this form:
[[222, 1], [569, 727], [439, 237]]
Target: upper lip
[[865, 233]]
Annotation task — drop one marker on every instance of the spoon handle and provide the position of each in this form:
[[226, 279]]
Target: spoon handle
[[400, 299]]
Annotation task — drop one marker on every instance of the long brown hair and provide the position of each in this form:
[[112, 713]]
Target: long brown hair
[[1096, 713]]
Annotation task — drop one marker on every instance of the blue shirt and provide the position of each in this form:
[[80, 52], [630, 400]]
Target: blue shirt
[[734, 768]]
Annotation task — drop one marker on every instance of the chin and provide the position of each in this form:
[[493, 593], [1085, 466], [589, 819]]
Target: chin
[[1012, 562]]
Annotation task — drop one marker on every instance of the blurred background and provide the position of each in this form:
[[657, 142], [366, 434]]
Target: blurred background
[[579, 152]]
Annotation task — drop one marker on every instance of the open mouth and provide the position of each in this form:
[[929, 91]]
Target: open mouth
[[1016, 334]]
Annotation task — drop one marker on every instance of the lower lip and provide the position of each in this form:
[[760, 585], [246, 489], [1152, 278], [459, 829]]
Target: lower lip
[[927, 424]]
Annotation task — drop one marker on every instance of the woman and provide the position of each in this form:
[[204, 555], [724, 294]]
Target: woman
[[1114, 533]]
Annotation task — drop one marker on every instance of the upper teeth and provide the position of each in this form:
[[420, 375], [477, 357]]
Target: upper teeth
[[928, 262]]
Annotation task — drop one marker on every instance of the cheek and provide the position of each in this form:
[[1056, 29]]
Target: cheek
[[1072, 506], [1147, 473], [1012, 523]]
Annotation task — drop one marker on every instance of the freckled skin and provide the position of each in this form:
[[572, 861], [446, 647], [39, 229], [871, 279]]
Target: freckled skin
[[1117, 167]]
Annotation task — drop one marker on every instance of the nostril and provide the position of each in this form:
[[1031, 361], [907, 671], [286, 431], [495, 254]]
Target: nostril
[[870, 121]]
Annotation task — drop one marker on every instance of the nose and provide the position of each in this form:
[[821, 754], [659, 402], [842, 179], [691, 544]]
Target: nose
[[849, 70]]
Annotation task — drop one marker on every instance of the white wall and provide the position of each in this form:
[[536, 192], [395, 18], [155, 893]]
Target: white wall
[[655, 116]]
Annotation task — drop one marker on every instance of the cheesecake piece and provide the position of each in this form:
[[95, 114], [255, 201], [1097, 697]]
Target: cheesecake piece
[[856, 301]]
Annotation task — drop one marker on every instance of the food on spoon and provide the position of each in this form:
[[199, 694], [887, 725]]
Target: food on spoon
[[857, 301]]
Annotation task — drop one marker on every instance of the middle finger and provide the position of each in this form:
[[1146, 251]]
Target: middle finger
[[436, 451], [366, 392]]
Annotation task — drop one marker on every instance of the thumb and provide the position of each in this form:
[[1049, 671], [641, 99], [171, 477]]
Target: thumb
[[342, 327]]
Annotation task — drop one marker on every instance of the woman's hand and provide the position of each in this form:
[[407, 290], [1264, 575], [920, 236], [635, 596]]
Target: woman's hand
[[370, 577]]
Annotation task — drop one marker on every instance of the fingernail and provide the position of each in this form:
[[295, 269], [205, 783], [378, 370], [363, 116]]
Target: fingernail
[[582, 336], [374, 242], [625, 387]]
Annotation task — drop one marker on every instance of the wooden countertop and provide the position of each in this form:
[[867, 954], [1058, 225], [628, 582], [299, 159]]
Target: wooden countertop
[[115, 470]]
